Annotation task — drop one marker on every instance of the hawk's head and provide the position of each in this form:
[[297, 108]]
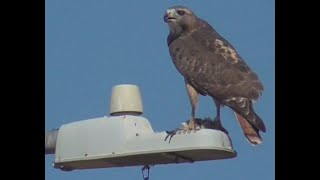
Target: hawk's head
[[180, 19]]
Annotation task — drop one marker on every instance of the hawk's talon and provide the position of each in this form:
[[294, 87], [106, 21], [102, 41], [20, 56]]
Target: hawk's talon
[[170, 134], [179, 131]]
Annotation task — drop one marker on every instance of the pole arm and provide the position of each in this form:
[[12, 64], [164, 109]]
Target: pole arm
[[50, 141]]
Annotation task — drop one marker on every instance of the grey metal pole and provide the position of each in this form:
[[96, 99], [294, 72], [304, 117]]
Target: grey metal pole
[[50, 141]]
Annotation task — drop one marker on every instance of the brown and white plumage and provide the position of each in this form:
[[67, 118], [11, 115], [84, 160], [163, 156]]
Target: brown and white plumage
[[211, 66]]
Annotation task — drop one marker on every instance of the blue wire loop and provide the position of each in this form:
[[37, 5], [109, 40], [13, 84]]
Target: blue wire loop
[[144, 169]]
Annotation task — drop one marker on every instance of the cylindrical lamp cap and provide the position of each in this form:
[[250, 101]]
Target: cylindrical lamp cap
[[126, 99]]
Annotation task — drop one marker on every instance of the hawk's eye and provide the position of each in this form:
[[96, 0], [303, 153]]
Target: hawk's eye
[[181, 13]]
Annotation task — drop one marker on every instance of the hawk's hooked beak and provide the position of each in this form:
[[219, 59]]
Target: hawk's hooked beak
[[169, 16]]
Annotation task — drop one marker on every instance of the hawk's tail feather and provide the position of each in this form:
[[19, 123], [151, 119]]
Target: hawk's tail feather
[[249, 121], [251, 133], [244, 108], [258, 122]]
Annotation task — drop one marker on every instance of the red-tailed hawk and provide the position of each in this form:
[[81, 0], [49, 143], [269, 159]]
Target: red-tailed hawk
[[211, 66]]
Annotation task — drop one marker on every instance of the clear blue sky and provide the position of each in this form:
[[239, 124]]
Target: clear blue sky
[[94, 45]]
